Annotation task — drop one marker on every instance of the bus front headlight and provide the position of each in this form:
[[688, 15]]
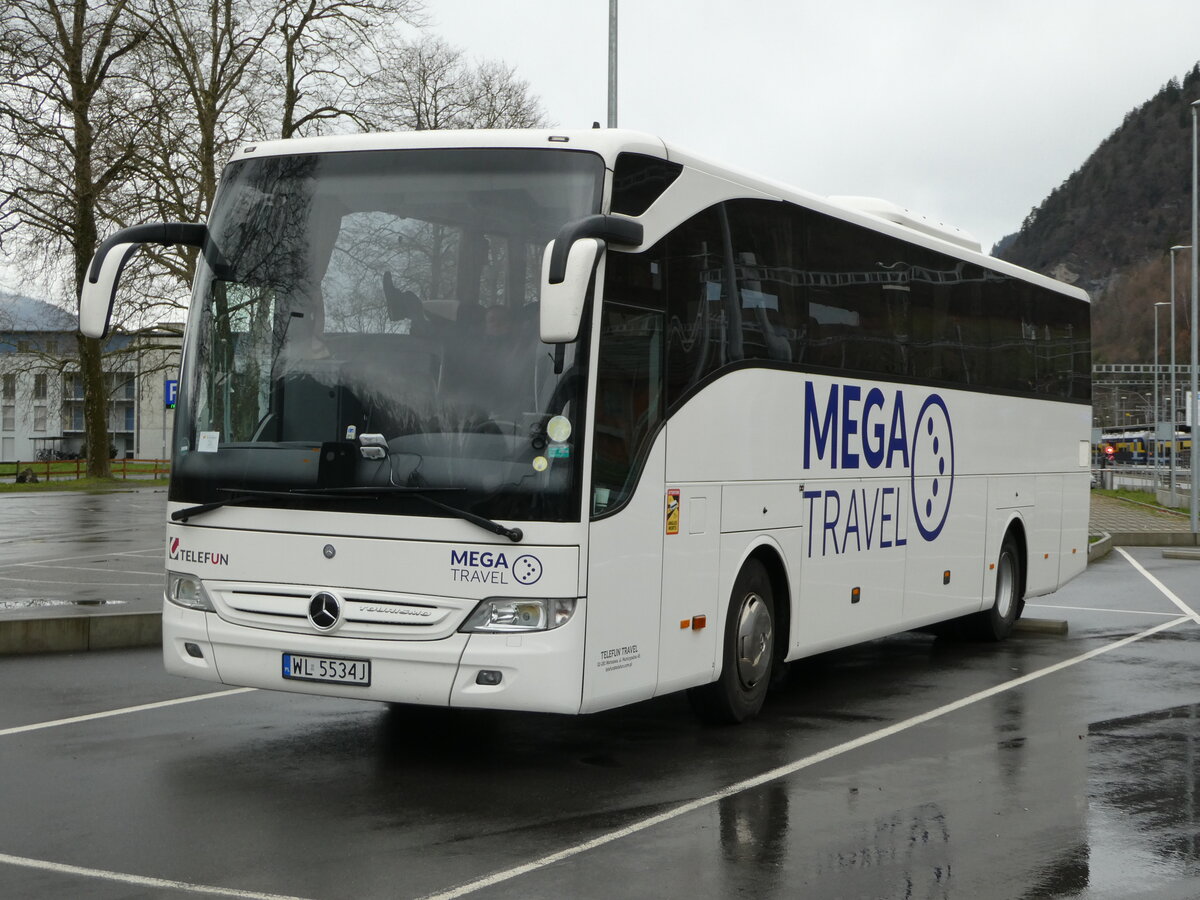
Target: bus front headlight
[[505, 614], [188, 591]]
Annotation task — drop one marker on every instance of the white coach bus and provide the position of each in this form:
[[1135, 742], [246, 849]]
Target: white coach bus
[[560, 421]]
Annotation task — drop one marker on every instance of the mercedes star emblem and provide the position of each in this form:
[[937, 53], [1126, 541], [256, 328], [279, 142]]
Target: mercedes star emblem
[[324, 611]]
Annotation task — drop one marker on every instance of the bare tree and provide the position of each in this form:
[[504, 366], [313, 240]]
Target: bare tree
[[213, 55], [502, 100], [204, 67], [69, 136], [429, 84], [329, 52]]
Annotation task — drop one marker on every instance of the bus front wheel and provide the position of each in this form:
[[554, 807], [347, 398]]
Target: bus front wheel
[[747, 654]]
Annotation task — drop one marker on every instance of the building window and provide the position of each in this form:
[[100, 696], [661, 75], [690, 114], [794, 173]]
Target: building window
[[8, 387], [119, 385], [22, 346], [39, 418], [8, 417], [73, 387], [73, 418], [39, 387]]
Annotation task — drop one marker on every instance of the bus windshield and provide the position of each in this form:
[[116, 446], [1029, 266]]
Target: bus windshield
[[370, 319]]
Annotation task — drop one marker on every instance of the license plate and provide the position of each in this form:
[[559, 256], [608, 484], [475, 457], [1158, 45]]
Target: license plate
[[325, 668]]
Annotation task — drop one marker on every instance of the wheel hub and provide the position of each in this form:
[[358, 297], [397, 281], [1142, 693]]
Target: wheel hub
[[753, 640], [1005, 586]]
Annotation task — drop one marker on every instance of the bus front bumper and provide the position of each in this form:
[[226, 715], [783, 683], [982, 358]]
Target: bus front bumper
[[536, 671]]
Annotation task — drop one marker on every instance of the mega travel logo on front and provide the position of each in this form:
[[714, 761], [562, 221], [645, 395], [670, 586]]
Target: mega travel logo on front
[[848, 432]]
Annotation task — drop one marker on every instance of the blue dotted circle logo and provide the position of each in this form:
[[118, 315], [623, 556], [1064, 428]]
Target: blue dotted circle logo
[[527, 569], [932, 467]]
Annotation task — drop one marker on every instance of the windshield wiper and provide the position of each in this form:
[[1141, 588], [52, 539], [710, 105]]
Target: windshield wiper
[[182, 515], [356, 493], [417, 493]]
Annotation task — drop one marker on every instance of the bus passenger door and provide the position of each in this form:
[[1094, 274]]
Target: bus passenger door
[[689, 622]]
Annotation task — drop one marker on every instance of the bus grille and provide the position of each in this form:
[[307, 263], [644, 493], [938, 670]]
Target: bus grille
[[365, 614]]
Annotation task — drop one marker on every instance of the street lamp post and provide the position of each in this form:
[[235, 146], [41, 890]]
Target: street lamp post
[[612, 63], [1157, 417], [1174, 413], [1195, 482]]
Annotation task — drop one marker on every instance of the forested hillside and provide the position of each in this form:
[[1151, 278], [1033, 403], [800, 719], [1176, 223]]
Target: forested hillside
[[1107, 228]]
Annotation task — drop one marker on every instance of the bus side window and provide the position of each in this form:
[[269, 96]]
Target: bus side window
[[696, 285], [1010, 336], [938, 318], [858, 297], [771, 295], [629, 374]]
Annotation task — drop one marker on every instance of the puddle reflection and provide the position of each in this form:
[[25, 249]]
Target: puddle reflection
[[1143, 824]]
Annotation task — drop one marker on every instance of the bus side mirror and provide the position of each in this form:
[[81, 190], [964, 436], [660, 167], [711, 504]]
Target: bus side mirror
[[561, 306], [96, 298], [567, 270], [104, 274]]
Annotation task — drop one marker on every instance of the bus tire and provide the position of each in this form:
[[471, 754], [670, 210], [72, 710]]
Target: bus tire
[[996, 623], [747, 654]]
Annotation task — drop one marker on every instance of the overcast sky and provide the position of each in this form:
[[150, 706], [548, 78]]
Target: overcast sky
[[965, 111]]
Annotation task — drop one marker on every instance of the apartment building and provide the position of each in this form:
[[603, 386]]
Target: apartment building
[[41, 391]]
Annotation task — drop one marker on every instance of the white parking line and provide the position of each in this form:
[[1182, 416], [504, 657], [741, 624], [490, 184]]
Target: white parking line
[[92, 583], [89, 569], [60, 536], [1166, 591], [161, 704], [791, 768], [1128, 612], [63, 559], [139, 880]]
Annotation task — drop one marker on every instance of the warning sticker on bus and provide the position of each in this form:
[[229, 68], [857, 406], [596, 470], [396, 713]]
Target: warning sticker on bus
[[673, 511]]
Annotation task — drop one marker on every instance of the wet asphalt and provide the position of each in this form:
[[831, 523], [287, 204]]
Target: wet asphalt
[[912, 767]]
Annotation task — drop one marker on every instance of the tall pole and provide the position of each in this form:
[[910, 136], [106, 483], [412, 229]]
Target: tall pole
[[1195, 482], [612, 63], [1154, 416], [1157, 408], [1173, 410]]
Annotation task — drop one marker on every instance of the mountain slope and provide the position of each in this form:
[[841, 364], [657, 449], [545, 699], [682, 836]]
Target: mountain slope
[[1107, 227]]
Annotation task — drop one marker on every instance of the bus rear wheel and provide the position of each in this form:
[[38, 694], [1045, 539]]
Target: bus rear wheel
[[747, 654], [996, 623]]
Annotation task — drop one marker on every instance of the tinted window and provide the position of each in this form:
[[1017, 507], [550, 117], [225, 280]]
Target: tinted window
[[699, 302], [639, 180], [771, 302], [819, 292], [629, 400], [858, 298]]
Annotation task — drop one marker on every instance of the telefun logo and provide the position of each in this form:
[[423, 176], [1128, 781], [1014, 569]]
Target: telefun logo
[[203, 557]]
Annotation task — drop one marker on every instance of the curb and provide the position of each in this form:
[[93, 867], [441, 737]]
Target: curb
[[1154, 539], [1181, 554], [1097, 550], [71, 634], [1041, 626]]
